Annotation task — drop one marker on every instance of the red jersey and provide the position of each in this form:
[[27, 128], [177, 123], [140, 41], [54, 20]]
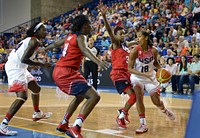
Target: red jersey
[[71, 55], [119, 59]]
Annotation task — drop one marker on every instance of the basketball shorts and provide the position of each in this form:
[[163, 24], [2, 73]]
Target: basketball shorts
[[18, 78], [145, 84], [70, 81], [121, 80], [122, 85]]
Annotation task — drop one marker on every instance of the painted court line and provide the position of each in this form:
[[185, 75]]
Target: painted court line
[[103, 131]]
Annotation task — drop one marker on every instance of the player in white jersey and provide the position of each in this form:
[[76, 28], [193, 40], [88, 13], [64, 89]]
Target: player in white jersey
[[141, 64], [19, 78]]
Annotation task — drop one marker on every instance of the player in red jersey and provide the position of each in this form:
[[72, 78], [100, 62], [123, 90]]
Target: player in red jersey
[[119, 74], [68, 78], [142, 60]]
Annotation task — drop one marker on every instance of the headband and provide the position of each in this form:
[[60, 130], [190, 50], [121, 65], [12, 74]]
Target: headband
[[37, 26]]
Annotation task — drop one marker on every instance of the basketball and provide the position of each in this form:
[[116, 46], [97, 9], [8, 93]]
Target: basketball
[[163, 75]]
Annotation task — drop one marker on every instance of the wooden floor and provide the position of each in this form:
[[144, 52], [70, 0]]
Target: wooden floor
[[101, 122]]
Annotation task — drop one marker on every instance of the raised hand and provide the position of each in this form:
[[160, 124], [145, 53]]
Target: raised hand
[[103, 9]]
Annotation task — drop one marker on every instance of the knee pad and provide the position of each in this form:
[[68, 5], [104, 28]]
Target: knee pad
[[22, 99], [35, 93], [131, 99]]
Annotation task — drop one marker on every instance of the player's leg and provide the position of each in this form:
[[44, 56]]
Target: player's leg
[[139, 92], [35, 94], [15, 106], [138, 87], [63, 125], [126, 87], [92, 98], [154, 93]]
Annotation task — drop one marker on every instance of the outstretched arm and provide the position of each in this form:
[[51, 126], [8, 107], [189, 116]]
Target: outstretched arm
[[33, 44], [108, 28], [56, 44], [82, 43]]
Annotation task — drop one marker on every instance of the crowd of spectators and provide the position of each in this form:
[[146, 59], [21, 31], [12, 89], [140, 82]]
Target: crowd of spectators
[[174, 27]]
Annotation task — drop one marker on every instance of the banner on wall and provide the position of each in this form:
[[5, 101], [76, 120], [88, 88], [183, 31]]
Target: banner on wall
[[44, 77]]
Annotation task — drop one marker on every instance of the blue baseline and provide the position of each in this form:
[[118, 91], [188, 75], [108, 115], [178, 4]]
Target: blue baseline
[[167, 95], [23, 133]]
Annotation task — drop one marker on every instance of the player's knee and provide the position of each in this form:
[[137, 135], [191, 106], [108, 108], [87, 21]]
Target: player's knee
[[132, 98], [37, 90], [22, 98]]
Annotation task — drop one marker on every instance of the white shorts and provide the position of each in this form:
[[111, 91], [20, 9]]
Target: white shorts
[[17, 75], [145, 84]]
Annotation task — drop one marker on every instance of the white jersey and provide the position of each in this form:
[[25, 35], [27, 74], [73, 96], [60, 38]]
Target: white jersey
[[144, 61], [17, 53]]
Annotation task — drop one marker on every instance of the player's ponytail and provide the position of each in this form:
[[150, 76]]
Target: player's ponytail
[[149, 43]]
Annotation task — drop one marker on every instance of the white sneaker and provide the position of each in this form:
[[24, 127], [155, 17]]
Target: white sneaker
[[142, 129], [4, 131], [40, 115], [169, 114]]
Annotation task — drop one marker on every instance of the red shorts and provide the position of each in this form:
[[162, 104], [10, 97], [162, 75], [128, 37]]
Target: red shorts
[[70, 81], [119, 75]]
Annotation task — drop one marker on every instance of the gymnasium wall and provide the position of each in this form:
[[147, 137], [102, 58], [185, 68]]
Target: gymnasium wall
[[15, 12]]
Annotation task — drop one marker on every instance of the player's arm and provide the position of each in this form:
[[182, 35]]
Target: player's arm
[[156, 64], [131, 43], [82, 43], [56, 44], [33, 44], [108, 28], [131, 62]]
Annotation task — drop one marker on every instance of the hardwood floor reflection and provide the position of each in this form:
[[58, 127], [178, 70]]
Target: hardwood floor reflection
[[101, 122]]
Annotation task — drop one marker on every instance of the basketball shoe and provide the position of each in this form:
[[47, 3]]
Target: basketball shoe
[[126, 116], [142, 129], [169, 114], [40, 115], [4, 131], [121, 123], [74, 132], [63, 126]]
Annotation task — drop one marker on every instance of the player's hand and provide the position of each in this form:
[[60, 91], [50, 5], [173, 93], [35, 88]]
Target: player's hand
[[104, 65], [103, 9], [148, 75], [47, 65]]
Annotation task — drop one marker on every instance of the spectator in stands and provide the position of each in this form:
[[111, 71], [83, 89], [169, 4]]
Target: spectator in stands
[[194, 71], [172, 68], [196, 34], [105, 42], [182, 74]]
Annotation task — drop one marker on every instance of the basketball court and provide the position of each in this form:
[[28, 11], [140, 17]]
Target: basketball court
[[101, 122]]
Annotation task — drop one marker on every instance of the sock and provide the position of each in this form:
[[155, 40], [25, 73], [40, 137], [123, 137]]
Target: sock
[[79, 120], [6, 119], [36, 108], [66, 118], [122, 115], [142, 119]]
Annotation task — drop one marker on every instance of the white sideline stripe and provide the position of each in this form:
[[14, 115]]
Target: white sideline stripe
[[110, 105], [103, 131]]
